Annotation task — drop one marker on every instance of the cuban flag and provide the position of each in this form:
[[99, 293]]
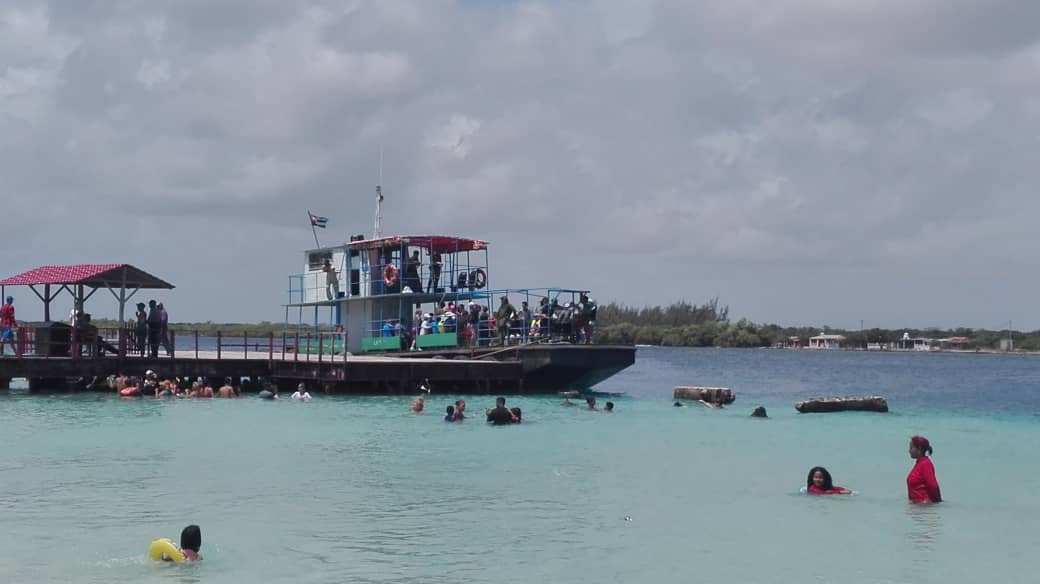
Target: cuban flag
[[317, 221]]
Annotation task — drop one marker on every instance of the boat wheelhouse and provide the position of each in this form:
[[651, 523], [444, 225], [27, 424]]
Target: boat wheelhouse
[[407, 293]]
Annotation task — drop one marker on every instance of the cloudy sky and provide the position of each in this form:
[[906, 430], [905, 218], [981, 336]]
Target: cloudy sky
[[807, 161]]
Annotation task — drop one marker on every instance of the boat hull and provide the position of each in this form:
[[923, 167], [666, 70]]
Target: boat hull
[[548, 368]]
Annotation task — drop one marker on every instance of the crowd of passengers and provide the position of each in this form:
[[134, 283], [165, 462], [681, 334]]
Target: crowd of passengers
[[476, 325]]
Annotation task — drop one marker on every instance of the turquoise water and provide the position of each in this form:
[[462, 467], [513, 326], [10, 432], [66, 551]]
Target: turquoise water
[[360, 490]]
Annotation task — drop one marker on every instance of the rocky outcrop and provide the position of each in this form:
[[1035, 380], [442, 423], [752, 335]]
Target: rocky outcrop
[[714, 395], [870, 403]]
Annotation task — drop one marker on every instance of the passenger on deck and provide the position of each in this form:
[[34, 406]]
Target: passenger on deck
[[331, 280], [500, 415], [388, 329], [502, 319], [435, 272], [411, 273]]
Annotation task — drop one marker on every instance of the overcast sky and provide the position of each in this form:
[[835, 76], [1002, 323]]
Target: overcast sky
[[807, 161]]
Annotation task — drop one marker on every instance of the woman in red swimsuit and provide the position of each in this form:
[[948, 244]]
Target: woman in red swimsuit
[[819, 482], [921, 485]]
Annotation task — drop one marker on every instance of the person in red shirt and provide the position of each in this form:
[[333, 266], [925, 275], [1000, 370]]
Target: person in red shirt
[[921, 485], [819, 482], [7, 326]]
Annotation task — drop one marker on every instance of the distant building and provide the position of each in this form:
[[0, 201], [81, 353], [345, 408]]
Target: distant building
[[826, 341], [908, 343], [955, 343]]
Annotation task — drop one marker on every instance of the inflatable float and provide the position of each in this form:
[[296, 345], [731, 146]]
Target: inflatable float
[[130, 392], [871, 403], [163, 550], [714, 395]]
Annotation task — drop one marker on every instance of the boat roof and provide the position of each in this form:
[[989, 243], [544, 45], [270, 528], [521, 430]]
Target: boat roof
[[90, 275], [434, 243]]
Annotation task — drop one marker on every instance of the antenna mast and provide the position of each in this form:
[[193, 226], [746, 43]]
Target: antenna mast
[[377, 231]]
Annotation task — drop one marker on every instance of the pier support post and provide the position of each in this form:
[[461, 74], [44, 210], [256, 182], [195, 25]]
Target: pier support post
[[5, 383]]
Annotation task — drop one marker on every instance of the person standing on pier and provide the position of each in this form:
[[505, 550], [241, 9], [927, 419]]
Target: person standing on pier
[[154, 328], [164, 330], [141, 330], [7, 326]]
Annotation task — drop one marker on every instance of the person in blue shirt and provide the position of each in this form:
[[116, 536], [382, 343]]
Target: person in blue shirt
[[388, 329]]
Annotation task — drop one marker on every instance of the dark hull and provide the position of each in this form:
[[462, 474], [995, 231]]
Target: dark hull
[[551, 368]]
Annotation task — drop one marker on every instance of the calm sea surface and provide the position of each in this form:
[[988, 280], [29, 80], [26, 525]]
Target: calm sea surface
[[359, 490]]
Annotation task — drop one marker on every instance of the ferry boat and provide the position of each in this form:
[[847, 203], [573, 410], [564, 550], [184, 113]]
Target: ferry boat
[[431, 296]]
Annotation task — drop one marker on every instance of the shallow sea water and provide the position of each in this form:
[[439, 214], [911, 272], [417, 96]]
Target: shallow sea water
[[358, 489]]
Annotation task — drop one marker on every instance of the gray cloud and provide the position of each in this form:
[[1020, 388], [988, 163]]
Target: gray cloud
[[807, 161]]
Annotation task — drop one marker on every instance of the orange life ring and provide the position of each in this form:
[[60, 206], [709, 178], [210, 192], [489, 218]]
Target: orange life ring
[[390, 273]]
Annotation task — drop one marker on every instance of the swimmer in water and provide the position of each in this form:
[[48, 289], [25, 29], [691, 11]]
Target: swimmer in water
[[590, 403], [449, 414], [819, 482], [608, 407], [418, 404], [460, 410], [679, 404], [191, 541]]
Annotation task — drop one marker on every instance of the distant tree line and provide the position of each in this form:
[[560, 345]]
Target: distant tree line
[[682, 324]]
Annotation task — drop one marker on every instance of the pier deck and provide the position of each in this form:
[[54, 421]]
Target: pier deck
[[331, 373]]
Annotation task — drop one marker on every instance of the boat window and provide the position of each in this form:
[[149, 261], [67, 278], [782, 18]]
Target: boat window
[[316, 259]]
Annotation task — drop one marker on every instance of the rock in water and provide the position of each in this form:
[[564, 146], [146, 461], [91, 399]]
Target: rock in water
[[871, 403], [714, 395]]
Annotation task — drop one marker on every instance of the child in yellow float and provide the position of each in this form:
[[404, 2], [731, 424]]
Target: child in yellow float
[[191, 540]]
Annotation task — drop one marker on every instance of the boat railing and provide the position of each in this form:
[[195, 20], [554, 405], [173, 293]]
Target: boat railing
[[454, 277], [55, 340], [431, 325]]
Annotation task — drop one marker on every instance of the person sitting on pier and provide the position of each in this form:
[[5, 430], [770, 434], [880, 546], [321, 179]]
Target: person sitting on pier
[[227, 390], [500, 415], [449, 414], [301, 393]]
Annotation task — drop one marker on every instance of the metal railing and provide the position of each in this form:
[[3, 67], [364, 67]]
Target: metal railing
[[131, 343]]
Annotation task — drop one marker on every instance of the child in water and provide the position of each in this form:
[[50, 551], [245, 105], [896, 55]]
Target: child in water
[[819, 482], [191, 541]]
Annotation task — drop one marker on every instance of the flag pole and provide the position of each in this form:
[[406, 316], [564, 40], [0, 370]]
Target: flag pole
[[314, 231]]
